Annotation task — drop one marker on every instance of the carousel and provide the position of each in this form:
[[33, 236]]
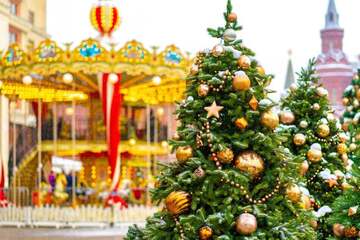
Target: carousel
[[96, 117]]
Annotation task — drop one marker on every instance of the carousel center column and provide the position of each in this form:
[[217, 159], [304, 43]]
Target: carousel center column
[[4, 138]]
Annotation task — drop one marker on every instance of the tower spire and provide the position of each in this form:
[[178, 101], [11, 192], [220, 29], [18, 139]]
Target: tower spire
[[332, 16], [290, 79]]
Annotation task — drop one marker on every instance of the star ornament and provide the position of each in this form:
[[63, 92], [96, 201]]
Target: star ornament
[[213, 110], [332, 182]]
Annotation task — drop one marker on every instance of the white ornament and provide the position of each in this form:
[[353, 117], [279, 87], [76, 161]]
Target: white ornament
[[352, 147], [326, 175], [265, 102], [236, 54], [229, 35], [349, 108], [218, 50], [330, 117], [355, 103], [304, 124], [293, 87], [339, 174], [316, 106], [190, 99], [322, 91], [316, 146], [221, 74], [324, 121], [322, 211], [240, 73]]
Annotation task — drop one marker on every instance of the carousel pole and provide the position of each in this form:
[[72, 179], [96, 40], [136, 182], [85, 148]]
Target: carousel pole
[[14, 148], [39, 130], [55, 123], [73, 144], [148, 139]]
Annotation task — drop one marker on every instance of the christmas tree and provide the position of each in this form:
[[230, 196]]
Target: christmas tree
[[346, 216], [232, 178], [316, 137]]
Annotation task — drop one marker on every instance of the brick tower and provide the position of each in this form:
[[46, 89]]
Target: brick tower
[[333, 67]]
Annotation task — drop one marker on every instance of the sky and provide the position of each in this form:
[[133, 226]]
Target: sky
[[270, 27]]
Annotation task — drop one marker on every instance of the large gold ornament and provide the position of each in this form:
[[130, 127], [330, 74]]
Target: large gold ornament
[[305, 202], [205, 233], [323, 130], [178, 202], [203, 90], [304, 168], [260, 70], [287, 117], [241, 123], [184, 153], [241, 81], [350, 232], [299, 139], [225, 156], [270, 120], [338, 230], [345, 101], [314, 155], [293, 192], [244, 62], [250, 162], [246, 224], [341, 148]]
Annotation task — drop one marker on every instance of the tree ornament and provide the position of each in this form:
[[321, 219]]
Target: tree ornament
[[270, 120], [213, 110], [338, 230], [253, 103], [241, 81], [183, 153], [264, 103], [244, 62], [250, 162], [194, 69], [260, 70], [293, 87], [241, 123], [293, 193], [342, 137], [314, 155], [199, 172], [356, 103], [332, 182], [304, 168], [287, 117], [316, 106], [352, 147], [322, 92], [305, 202], [352, 211], [345, 186], [232, 17], [205, 233], [341, 148], [225, 156], [299, 139], [218, 50], [345, 101], [304, 124], [358, 94], [246, 224], [350, 232], [314, 224], [203, 90], [178, 202], [323, 130], [229, 35], [345, 159], [330, 117]]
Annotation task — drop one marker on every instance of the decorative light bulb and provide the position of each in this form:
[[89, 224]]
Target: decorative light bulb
[[68, 78], [132, 141], [156, 80], [27, 80], [113, 78]]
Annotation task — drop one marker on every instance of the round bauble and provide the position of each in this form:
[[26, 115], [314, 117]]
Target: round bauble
[[352, 147], [345, 159], [194, 69], [203, 90], [270, 120], [330, 117], [338, 230], [342, 137], [250, 162], [225, 156], [205, 233], [199, 172], [246, 224], [229, 35], [316, 106], [218, 50], [299, 139], [322, 91], [314, 224], [287, 117], [342, 148], [293, 193], [345, 126], [304, 124], [350, 232], [345, 101], [305, 202], [178, 202], [184, 153], [356, 103], [314, 155], [241, 123], [264, 103], [345, 186], [176, 136], [260, 70], [244, 62], [293, 87], [232, 17], [304, 167], [241, 81], [323, 130]]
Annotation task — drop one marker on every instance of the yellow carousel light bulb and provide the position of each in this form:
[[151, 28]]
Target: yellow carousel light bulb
[[27, 80], [132, 141], [156, 80], [68, 78], [113, 78]]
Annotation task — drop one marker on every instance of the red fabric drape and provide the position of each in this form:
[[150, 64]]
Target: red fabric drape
[[44, 109]]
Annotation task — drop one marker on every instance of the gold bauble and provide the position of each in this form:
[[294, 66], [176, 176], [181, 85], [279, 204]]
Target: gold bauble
[[313, 224], [358, 94], [345, 186], [260, 70], [299, 139], [293, 192], [357, 137], [250, 162], [323, 130], [232, 17], [244, 62], [338, 230], [246, 224], [225, 156], [350, 232], [218, 50], [176, 136], [341, 148], [304, 168], [269, 119], [287, 117], [178, 202], [345, 126], [203, 90], [241, 123], [352, 147], [241, 82], [305, 202], [205, 233], [345, 101], [184, 153], [314, 155]]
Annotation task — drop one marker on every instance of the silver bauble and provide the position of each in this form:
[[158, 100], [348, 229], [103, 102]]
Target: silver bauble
[[229, 35]]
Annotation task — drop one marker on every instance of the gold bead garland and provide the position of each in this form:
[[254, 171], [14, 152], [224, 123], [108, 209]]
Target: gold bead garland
[[180, 228], [247, 194], [214, 157], [333, 140], [311, 179]]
